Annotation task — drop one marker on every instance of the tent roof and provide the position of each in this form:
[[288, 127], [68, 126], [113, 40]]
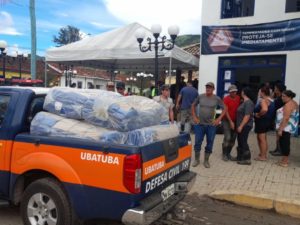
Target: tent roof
[[119, 50]]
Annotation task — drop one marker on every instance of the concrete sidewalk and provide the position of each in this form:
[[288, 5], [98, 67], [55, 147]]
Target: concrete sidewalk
[[262, 185]]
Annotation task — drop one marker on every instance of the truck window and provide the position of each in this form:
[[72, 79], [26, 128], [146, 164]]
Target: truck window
[[4, 100], [35, 107]]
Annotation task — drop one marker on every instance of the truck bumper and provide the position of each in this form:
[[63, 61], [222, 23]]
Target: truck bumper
[[153, 207]]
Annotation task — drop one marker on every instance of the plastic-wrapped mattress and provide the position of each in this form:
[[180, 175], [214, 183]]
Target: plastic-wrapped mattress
[[70, 102], [105, 109], [152, 134], [48, 124], [135, 112]]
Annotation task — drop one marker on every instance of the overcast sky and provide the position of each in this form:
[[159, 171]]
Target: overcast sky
[[92, 17]]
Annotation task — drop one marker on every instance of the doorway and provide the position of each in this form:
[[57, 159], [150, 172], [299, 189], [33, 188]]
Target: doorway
[[251, 71]]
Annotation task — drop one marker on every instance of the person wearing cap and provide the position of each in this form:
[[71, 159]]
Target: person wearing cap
[[205, 121], [121, 88], [232, 101], [186, 97], [166, 101], [110, 86]]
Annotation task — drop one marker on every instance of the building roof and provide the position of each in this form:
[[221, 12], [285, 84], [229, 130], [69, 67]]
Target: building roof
[[193, 49]]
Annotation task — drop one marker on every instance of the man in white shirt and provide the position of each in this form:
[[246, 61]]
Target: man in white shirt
[[166, 101]]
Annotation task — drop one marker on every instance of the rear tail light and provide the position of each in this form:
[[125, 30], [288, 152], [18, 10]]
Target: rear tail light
[[132, 178]]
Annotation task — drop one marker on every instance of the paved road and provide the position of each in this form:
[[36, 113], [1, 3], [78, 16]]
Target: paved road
[[199, 210]]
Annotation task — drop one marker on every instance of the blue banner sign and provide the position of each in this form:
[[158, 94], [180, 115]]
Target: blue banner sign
[[277, 36]]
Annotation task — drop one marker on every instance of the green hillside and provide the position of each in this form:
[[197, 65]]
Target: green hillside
[[185, 40]]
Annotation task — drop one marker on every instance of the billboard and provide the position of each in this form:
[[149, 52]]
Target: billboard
[[277, 36]]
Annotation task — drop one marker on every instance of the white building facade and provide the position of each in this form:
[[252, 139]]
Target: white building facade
[[250, 42]]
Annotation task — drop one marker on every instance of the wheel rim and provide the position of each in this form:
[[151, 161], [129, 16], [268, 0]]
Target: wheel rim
[[41, 210]]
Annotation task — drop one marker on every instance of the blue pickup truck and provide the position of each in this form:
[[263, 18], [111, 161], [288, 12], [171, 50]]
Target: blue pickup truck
[[64, 181]]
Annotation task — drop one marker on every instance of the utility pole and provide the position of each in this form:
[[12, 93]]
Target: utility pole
[[33, 39]]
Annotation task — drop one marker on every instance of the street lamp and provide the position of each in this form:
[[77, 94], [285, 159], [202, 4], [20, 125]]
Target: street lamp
[[169, 72], [3, 46], [156, 29], [69, 73], [142, 76], [131, 79]]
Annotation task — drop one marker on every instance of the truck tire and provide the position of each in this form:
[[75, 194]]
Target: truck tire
[[44, 202]]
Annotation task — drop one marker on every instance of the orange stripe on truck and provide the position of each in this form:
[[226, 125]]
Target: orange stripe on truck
[[158, 165], [5, 154], [72, 165]]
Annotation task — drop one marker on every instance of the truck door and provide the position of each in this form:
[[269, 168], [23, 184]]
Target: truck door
[[5, 146]]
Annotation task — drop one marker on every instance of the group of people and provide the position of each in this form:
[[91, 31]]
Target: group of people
[[239, 113], [279, 110], [120, 87], [238, 116]]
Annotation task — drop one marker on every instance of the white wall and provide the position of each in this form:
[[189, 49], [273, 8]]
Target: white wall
[[265, 11], [292, 78]]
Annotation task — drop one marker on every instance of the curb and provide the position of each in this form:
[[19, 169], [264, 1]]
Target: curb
[[259, 201]]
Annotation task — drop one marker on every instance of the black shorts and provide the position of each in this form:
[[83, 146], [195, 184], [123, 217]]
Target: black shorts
[[262, 125]]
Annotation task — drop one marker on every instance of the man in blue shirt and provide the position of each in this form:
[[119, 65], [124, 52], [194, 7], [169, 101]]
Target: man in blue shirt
[[186, 96]]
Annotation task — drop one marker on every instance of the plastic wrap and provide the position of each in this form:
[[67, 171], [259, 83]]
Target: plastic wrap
[[95, 110], [47, 124], [152, 134], [105, 109], [70, 102], [135, 112]]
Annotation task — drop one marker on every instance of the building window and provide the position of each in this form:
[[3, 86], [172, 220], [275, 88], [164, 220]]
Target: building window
[[292, 6], [237, 8], [79, 84]]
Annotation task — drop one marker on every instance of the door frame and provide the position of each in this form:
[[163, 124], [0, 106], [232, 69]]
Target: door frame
[[232, 63]]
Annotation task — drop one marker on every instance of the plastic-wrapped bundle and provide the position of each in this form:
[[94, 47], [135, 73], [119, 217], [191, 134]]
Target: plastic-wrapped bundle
[[48, 124], [95, 110], [151, 134], [105, 109], [135, 112], [70, 102]]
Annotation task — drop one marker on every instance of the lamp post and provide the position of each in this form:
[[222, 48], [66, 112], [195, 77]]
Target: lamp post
[[142, 76], [169, 72], [167, 45], [131, 79], [3, 46], [115, 74], [69, 73]]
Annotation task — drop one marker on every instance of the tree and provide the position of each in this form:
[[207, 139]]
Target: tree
[[67, 35]]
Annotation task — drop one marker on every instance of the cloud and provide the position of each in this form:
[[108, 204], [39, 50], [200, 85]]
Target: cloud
[[48, 25], [7, 24], [103, 26], [186, 15]]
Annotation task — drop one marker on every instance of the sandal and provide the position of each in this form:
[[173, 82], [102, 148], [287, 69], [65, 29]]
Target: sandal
[[282, 164], [259, 159]]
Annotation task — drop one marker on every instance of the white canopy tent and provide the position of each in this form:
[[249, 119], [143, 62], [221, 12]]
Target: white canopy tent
[[119, 50]]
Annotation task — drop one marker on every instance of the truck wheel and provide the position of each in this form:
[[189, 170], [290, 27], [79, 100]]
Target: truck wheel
[[45, 202]]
